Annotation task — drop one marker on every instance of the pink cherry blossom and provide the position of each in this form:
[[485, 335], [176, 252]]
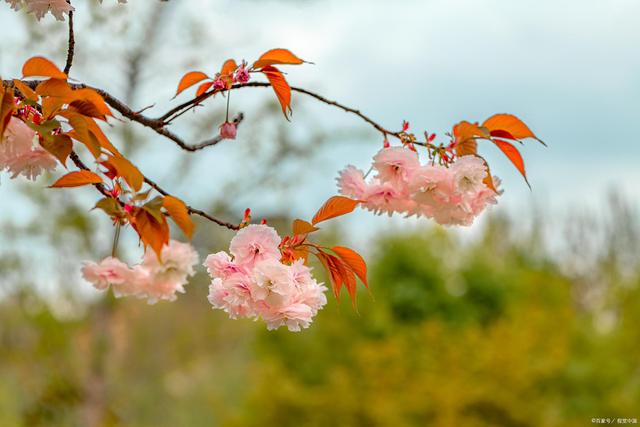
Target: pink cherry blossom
[[469, 173], [168, 275], [351, 182], [228, 130], [396, 165], [109, 271], [256, 284], [221, 265], [152, 279], [255, 243], [20, 154], [40, 7], [450, 195], [241, 75], [233, 295]]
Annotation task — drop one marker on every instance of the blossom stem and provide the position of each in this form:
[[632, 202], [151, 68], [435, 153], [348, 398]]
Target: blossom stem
[[228, 99], [116, 238]]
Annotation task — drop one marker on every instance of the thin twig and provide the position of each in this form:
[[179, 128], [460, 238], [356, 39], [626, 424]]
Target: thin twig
[[71, 45]]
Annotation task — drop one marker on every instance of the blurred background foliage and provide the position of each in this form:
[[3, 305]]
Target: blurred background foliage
[[489, 331], [518, 323]]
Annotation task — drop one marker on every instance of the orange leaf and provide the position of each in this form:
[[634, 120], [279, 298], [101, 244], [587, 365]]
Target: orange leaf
[[190, 79], [102, 139], [152, 232], [226, 73], [510, 124], [128, 172], [58, 88], [280, 87], [276, 56], [465, 134], [334, 272], [514, 155], [203, 88], [81, 131], [41, 67], [26, 91], [355, 262], [303, 227], [77, 179], [90, 103], [335, 206], [59, 146], [7, 107], [228, 67], [180, 214]]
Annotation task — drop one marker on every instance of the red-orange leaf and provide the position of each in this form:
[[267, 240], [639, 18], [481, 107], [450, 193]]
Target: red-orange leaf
[[203, 88], [303, 227], [58, 88], [26, 91], [511, 124], [465, 134], [58, 145], [514, 155], [41, 67], [128, 172], [355, 262], [77, 179], [190, 79], [334, 272], [335, 206], [280, 87], [276, 56], [180, 214], [152, 232], [7, 107], [228, 67], [90, 103]]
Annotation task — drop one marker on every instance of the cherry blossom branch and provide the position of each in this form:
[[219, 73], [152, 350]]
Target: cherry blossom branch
[[100, 187]]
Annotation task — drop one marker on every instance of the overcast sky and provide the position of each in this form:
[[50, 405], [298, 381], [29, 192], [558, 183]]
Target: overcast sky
[[570, 69]]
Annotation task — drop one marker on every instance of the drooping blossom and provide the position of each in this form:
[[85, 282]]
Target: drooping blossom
[[154, 279], [228, 130], [112, 272], [20, 154], [169, 274], [451, 195], [40, 8], [255, 283]]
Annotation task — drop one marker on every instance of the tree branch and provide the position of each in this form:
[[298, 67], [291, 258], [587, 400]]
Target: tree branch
[[72, 44]]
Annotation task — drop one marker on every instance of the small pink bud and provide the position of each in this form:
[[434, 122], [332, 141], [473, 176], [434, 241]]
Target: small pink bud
[[432, 137], [241, 75], [385, 143], [218, 84], [228, 130], [405, 126], [128, 208]]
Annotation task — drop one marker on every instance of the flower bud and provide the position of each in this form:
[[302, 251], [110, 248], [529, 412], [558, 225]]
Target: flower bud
[[228, 130]]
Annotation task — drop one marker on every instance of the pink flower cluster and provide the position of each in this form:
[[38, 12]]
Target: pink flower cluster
[[20, 154], [40, 8], [152, 279], [254, 283], [451, 195]]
